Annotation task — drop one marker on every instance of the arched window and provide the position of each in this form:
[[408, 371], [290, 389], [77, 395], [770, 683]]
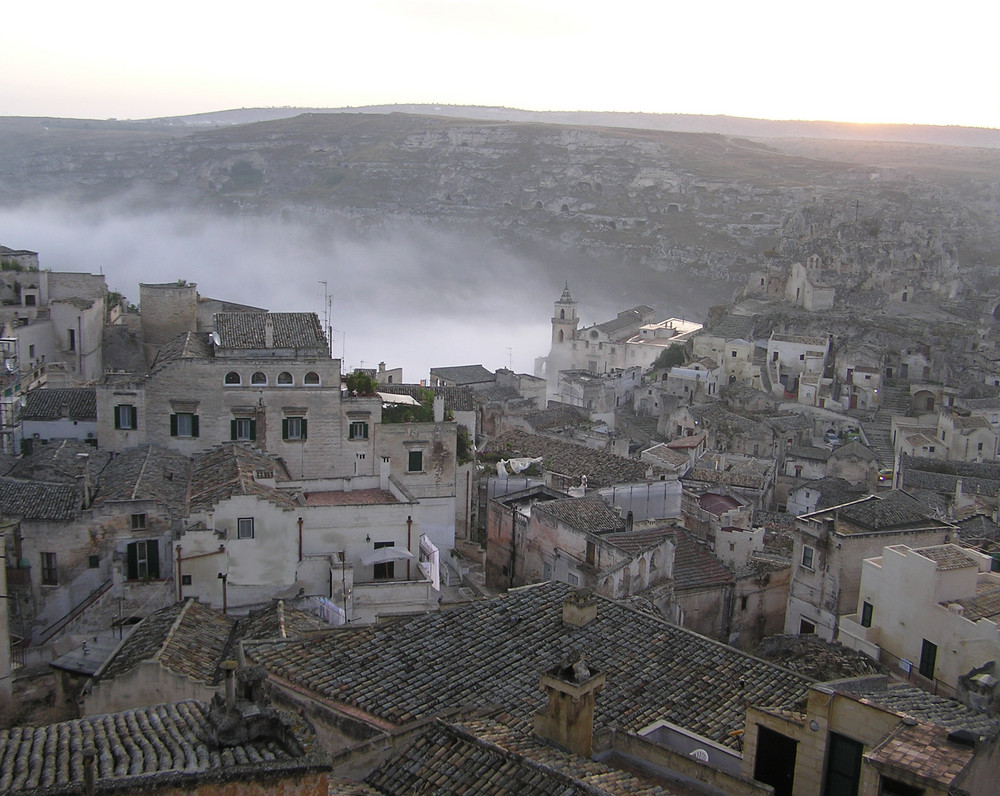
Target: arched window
[[560, 335], [258, 378], [562, 315], [233, 378], [285, 378], [311, 378]]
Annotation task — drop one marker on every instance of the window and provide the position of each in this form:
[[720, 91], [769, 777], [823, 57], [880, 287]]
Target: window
[[311, 378], [591, 553], [866, 614], [184, 424], [232, 378], [415, 461], [385, 570], [244, 528], [293, 428], [243, 429], [49, 575], [31, 351], [258, 378], [71, 334], [806, 628], [30, 300], [185, 580], [893, 787], [743, 602], [357, 430], [93, 562], [126, 417], [285, 378], [142, 560], [843, 766], [137, 522], [808, 555], [572, 579], [928, 659], [732, 354], [980, 447]]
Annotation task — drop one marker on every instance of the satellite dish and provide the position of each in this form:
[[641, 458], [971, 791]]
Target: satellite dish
[[216, 339], [699, 754], [8, 365]]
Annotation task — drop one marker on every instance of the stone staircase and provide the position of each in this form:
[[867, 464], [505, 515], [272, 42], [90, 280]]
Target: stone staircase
[[895, 400]]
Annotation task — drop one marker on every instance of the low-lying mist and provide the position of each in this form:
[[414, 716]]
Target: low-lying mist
[[410, 295]]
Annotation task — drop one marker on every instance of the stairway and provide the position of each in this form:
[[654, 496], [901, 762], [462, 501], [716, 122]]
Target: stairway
[[894, 400]]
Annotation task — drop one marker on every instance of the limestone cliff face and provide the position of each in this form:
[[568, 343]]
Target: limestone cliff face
[[705, 206]]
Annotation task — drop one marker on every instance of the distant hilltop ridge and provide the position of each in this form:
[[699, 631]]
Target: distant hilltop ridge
[[676, 122]]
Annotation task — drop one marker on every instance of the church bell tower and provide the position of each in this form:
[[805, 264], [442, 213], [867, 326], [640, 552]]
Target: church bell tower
[[564, 319]]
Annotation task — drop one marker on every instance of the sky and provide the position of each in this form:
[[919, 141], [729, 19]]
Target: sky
[[873, 61]]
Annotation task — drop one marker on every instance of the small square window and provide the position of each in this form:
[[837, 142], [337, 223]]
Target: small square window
[[126, 417], [243, 429], [184, 424], [415, 461], [93, 562], [244, 528], [185, 580], [138, 522], [293, 428]]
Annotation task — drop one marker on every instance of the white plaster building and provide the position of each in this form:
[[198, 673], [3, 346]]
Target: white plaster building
[[934, 610]]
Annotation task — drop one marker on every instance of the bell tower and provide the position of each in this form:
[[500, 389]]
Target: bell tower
[[564, 319]]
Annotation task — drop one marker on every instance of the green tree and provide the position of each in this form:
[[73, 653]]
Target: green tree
[[670, 357]]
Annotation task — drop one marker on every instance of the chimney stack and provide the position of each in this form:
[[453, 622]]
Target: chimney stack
[[580, 608], [438, 408], [568, 720]]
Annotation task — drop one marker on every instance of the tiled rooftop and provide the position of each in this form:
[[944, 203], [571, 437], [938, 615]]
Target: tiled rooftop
[[695, 567], [190, 345], [923, 750], [39, 500], [492, 653], [356, 497], [62, 461], [155, 748], [75, 403], [290, 330], [947, 557], [887, 511], [586, 514], [457, 399], [854, 449], [985, 604], [464, 374], [484, 757], [601, 469], [147, 472], [228, 470], [908, 700], [635, 542], [186, 638]]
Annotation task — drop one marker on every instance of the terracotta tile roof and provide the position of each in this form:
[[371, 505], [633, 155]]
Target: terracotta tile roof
[[356, 497], [190, 345], [39, 500], [947, 557], [586, 514], [62, 461], [635, 542], [147, 472], [718, 468], [922, 750], [228, 470], [985, 604], [159, 748], [187, 638], [908, 700], [855, 449], [290, 330], [464, 374], [694, 565], [491, 653], [76, 403], [887, 511], [484, 757], [601, 469], [556, 416]]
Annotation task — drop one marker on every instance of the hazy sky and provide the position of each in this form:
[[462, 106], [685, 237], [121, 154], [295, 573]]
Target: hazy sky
[[877, 60]]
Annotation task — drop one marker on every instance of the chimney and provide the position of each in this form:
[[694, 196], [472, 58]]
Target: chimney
[[268, 331], [438, 408], [229, 667], [629, 522], [383, 474], [580, 608], [568, 720]]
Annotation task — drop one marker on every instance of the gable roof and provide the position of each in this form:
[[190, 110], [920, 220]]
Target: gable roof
[[887, 511], [186, 638], [485, 757], [163, 748], [62, 461], [190, 345], [75, 403], [228, 470], [492, 652], [586, 514], [695, 567], [565, 458], [289, 330], [39, 500], [464, 374], [146, 472]]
